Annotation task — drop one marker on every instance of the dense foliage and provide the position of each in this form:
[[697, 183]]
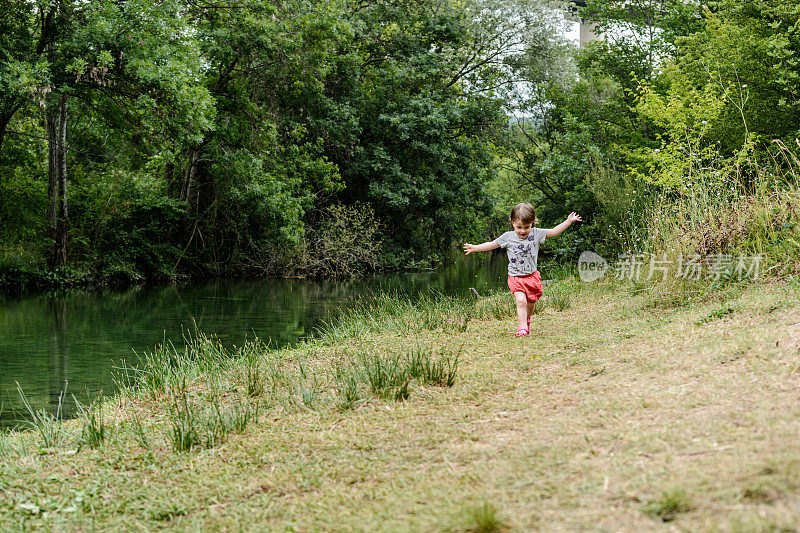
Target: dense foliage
[[146, 140], [679, 129]]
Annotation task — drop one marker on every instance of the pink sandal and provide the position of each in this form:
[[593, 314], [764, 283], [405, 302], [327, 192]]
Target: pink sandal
[[521, 332]]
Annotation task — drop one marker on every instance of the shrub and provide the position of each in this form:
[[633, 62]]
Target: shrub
[[344, 241]]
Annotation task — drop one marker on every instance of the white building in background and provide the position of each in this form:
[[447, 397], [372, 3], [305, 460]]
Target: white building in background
[[578, 30]]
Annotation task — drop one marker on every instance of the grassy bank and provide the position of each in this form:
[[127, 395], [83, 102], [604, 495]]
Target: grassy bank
[[615, 414]]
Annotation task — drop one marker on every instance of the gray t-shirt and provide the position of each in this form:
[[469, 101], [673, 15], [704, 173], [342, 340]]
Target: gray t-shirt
[[522, 253]]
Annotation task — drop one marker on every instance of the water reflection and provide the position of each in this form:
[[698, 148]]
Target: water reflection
[[79, 337]]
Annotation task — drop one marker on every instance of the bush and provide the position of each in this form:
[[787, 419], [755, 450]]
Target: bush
[[345, 241]]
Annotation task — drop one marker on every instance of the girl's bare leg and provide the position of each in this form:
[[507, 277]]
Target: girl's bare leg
[[530, 311], [522, 310]]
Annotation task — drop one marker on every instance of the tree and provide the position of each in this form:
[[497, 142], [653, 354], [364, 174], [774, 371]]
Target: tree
[[749, 53], [639, 37], [429, 102], [117, 60], [259, 168]]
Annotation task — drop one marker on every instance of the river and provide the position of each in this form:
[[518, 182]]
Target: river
[[75, 339]]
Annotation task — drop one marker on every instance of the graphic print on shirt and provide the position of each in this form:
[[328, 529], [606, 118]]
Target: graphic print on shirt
[[522, 253]]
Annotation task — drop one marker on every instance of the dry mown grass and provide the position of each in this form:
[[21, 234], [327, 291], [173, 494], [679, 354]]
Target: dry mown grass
[[613, 415]]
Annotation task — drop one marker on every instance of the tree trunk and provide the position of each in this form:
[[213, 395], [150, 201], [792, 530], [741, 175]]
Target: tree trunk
[[4, 120], [53, 183], [190, 178], [57, 182]]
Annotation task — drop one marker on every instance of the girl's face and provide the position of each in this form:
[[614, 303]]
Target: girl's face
[[522, 229]]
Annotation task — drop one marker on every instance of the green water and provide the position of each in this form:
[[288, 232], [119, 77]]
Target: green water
[[78, 338]]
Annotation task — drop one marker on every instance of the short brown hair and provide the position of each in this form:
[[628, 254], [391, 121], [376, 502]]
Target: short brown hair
[[525, 213]]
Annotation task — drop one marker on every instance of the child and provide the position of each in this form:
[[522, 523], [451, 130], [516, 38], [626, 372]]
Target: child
[[522, 246]]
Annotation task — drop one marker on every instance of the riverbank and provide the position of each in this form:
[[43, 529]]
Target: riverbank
[[616, 414]]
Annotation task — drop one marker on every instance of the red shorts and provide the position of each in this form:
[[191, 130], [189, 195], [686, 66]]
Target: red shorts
[[531, 285]]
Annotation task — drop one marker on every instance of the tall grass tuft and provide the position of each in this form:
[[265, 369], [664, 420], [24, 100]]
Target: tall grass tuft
[[254, 379], [307, 387], [47, 425], [165, 368], [240, 415], [140, 433], [347, 392], [559, 300], [497, 305], [217, 421], [184, 432], [94, 430], [484, 519], [250, 360], [194, 425], [668, 505], [400, 314], [440, 372], [387, 376], [6, 446]]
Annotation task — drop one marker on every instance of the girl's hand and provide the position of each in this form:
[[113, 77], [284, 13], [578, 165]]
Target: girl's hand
[[574, 217], [469, 248]]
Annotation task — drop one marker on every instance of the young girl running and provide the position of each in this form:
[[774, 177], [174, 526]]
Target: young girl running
[[522, 246]]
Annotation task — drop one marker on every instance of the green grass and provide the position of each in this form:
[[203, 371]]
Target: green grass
[[432, 370], [669, 505], [255, 378], [559, 300], [498, 305], [94, 430], [347, 389], [715, 315], [483, 519], [48, 426], [613, 415], [209, 424], [386, 374], [185, 430], [392, 313]]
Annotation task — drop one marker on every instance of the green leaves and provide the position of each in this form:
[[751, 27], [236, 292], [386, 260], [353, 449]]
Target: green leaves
[[239, 124], [685, 155]]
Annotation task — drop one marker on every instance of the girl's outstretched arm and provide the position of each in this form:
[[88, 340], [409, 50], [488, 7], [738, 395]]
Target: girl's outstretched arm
[[573, 217], [485, 247]]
